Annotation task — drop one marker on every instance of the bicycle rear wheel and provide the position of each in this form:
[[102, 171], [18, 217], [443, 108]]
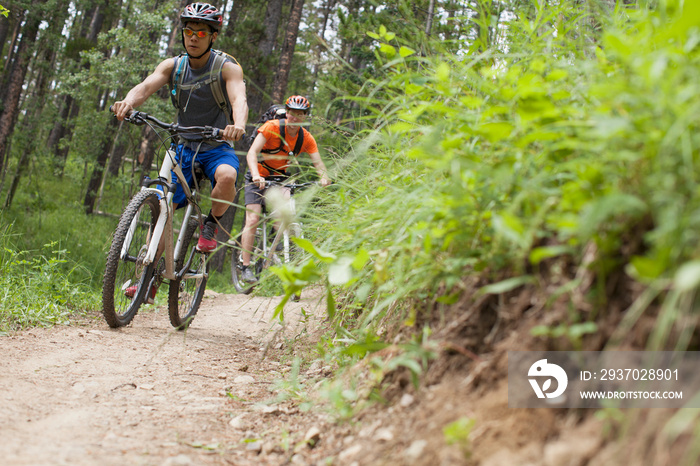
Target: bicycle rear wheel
[[126, 278], [186, 292]]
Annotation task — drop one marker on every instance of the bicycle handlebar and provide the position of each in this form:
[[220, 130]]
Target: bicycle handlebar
[[280, 181], [208, 132]]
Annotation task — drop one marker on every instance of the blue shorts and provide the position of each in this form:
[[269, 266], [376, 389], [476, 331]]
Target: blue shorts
[[210, 160]]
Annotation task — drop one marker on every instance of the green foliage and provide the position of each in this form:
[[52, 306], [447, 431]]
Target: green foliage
[[105, 76], [36, 289], [574, 333], [341, 399], [457, 433], [4, 11], [58, 217], [491, 163], [291, 387]]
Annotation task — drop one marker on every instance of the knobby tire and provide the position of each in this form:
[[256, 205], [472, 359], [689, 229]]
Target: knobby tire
[[124, 272], [186, 292]]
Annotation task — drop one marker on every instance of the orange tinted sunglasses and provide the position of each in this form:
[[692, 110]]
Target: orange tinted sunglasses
[[201, 33]]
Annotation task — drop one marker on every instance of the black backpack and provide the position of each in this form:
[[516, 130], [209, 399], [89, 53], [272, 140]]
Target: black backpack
[[275, 112]]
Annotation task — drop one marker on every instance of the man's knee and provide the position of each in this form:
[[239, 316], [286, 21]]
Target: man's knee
[[251, 219], [226, 175]]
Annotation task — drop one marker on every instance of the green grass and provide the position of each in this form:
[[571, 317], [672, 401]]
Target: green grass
[[40, 288]]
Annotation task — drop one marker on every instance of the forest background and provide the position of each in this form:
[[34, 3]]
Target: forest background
[[483, 150]]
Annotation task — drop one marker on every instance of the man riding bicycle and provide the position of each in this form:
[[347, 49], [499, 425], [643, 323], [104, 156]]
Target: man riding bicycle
[[192, 80], [277, 140]]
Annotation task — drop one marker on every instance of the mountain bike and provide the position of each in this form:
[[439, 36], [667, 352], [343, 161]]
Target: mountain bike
[[146, 228], [269, 247]]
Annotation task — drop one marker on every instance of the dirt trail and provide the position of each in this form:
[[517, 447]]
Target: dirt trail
[[149, 395], [146, 394]]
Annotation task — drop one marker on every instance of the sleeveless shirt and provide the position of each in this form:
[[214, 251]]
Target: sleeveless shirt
[[197, 103]]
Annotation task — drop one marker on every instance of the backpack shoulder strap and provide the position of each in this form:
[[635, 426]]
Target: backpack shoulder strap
[[283, 134], [216, 85], [299, 143], [282, 141], [176, 86]]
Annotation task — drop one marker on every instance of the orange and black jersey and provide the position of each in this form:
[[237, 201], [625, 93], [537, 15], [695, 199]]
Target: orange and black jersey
[[278, 162]]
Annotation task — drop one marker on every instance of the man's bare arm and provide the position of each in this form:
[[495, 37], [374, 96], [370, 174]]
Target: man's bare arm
[[252, 159], [320, 168], [139, 93], [235, 88]]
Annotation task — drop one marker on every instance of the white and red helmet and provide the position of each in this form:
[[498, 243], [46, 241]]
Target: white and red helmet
[[298, 102]]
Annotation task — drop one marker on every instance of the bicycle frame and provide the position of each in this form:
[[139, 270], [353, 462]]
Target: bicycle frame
[[280, 235], [165, 218], [263, 252]]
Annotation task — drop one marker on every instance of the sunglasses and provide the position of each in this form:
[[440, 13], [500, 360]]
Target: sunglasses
[[201, 33]]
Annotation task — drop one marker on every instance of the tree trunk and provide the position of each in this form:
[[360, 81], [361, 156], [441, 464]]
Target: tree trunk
[[3, 172], [64, 102], [322, 36], [222, 8], [69, 107], [117, 154], [97, 21], [21, 166], [106, 148], [429, 22], [257, 99], [59, 127], [18, 19], [146, 150], [290, 42], [10, 111], [90, 28], [96, 177], [113, 162], [176, 33], [30, 124], [14, 23], [4, 30]]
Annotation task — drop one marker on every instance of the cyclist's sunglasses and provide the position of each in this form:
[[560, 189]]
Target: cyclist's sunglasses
[[201, 33]]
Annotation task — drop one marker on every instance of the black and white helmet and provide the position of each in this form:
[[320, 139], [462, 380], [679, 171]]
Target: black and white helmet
[[202, 13]]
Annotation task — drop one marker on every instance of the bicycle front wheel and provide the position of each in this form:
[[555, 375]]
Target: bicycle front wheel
[[291, 250], [187, 290], [126, 277]]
